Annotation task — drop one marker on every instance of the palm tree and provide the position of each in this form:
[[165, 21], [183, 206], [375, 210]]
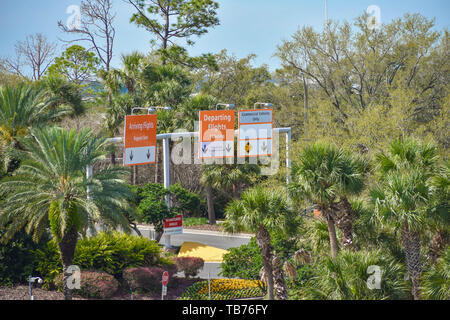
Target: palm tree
[[436, 281], [50, 190], [131, 72], [226, 178], [440, 186], [208, 179], [327, 176], [404, 196], [68, 94], [260, 211], [23, 107], [189, 110], [402, 200], [350, 277]]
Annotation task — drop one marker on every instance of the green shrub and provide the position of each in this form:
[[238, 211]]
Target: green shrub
[[152, 207], [189, 265], [345, 278], [143, 279], [184, 201], [243, 262], [108, 252], [99, 285], [436, 280], [17, 261]]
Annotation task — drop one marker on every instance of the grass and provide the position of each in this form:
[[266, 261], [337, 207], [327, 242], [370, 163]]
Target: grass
[[194, 221]]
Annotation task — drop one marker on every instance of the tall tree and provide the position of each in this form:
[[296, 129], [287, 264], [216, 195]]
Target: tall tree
[[403, 197], [50, 191], [96, 28], [76, 64], [260, 210], [168, 19], [326, 176], [23, 107], [66, 93], [361, 80], [36, 52]]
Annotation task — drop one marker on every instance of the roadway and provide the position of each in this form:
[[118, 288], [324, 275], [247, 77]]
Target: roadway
[[210, 238]]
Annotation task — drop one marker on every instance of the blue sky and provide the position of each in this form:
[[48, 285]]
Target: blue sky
[[246, 26]]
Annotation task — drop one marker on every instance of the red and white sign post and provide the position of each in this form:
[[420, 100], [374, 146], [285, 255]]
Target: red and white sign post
[[165, 281], [172, 226]]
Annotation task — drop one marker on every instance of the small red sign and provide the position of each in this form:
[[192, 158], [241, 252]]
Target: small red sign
[[173, 222], [165, 278]]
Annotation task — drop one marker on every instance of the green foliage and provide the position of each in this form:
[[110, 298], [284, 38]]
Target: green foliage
[[243, 262], [345, 278], [76, 64], [17, 261], [257, 208], [236, 80], [152, 207], [436, 280], [323, 173], [54, 170], [22, 107], [194, 221], [165, 85], [184, 201], [110, 253], [65, 93], [180, 19], [403, 193], [393, 94]]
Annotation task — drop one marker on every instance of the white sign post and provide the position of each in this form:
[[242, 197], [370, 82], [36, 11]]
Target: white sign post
[[172, 226]]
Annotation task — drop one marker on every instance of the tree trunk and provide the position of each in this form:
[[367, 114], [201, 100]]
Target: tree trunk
[[210, 201], [157, 163], [113, 158], [438, 243], [411, 243], [263, 241], [306, 106], [158, 235], [279, 280], [333, 239], [67, 251], [344, 221], [135, 175]]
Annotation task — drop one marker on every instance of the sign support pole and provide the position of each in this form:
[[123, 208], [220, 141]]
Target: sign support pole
[[288, 160], [166, 155], [89, 172], [166, 168]]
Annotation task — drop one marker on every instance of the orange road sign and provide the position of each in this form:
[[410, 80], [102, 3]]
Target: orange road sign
[[140, 139], [216, 136], [255, 133]]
